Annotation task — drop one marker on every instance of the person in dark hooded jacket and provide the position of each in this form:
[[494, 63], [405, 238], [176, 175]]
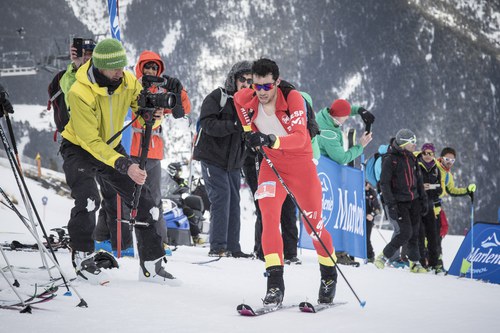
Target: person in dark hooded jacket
[[403, 191], [220, 148]]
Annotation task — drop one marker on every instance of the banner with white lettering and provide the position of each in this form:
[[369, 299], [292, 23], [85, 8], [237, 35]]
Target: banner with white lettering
[[343, 208], [481, 259]]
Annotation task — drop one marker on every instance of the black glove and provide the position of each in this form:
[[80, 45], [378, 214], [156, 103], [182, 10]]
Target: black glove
[[178, 110], [173, 84], [366, 115], [393, 212], [425, 208], [122, 164], [6, 107], [258, 139]]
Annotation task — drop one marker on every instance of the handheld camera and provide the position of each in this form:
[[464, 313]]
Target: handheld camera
[[148, 99]]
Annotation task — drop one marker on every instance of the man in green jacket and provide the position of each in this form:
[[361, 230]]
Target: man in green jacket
[[99, 101], [331, 142]]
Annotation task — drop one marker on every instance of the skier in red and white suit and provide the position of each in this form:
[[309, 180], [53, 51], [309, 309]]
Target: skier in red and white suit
[[278, 126]]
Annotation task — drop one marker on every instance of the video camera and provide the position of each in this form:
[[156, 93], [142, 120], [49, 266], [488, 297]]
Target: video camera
[[149, 100]]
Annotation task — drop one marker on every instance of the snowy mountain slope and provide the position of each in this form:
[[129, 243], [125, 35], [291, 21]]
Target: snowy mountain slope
[[396, 300]]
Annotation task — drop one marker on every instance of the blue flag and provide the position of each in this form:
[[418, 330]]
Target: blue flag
[[114, 21]]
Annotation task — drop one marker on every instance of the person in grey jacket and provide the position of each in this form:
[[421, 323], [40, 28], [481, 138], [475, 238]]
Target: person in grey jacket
[[220, 148]]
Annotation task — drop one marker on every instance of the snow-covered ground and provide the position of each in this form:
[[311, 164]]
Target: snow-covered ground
[[396, 300]]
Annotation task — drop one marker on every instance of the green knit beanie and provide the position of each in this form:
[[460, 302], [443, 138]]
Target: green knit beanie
[[109, 54]]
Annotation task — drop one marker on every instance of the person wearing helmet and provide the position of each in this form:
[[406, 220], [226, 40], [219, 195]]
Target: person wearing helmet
[[403, 191]]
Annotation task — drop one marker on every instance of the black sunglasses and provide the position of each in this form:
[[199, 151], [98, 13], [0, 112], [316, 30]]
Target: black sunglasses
[[151, 65], [243, 79]]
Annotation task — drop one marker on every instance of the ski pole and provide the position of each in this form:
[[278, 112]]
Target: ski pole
[[472, 233], [12, 138], [43, 249], [24, 189], [362, 303]]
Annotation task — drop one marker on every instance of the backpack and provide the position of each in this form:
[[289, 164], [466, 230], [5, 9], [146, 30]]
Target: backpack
[[312, 125], [373, 166], [370, 174], [57, 102]]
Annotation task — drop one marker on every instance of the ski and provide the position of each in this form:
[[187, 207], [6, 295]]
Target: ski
[[309, 308], [206, 261], [26, 303], [18, 246], [246, 310]]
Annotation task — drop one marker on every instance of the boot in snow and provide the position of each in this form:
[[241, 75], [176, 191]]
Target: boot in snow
[[380, 261], [328, 284], [275, 286], [416, 267], [86, 268], [153, 271]]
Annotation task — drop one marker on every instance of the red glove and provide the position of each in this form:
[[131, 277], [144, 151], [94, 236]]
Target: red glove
[[444, 224]]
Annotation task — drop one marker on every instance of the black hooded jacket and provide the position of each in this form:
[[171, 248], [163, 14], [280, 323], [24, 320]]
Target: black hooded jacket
[[401, 179], [220, 138]]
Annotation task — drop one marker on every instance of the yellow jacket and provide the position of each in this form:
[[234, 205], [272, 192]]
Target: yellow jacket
[[447, 183], [97, 116]]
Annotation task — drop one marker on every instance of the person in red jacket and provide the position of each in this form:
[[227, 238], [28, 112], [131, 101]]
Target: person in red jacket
[[150, 63], [278, 127]]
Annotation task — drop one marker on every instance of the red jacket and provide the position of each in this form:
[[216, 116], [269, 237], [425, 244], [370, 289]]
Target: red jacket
[[291, 115], [156, 145]]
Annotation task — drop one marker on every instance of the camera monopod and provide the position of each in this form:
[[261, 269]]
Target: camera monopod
[[147, 115]]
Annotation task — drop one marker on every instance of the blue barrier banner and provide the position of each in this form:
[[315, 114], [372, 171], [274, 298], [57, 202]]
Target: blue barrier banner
[[343, 208], [479, 257]]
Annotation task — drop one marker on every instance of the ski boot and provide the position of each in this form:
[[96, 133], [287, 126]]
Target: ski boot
[[380, 261], [416, 267], [328, 284], [275, 286], [86, 268], [153, 271]]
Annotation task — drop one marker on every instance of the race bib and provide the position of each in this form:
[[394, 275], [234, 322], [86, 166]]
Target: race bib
[[266, 190]]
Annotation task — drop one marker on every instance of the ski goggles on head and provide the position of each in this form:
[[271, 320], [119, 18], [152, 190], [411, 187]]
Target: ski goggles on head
[[242, 79], [412, 140], [265, 86], [449, 160]]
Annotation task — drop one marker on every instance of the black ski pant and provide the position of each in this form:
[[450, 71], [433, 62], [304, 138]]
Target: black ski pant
[[82, 170], [106, 221], [289, 230], [428, 230], [409, 225]]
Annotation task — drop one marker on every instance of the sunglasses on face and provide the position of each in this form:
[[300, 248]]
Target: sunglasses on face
[[243, 79], [152, 66], [265, 86], [428, 153], [449, 160]]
